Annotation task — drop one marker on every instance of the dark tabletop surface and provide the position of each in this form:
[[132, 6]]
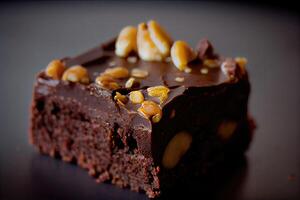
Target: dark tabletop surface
[[32, 34]]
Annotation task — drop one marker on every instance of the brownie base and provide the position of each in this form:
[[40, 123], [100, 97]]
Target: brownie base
[[62, 128]]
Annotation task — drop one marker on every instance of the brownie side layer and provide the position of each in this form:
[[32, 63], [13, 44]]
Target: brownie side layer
[[74, 123], [104, 145]]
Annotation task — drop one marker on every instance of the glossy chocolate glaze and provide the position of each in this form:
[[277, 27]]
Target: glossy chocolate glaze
[[101, 101], [98, 60]]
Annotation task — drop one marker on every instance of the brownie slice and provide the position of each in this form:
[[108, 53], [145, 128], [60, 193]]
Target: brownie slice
[[197, 119]]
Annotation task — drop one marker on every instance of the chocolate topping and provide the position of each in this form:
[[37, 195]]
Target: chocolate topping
[[98, 60]]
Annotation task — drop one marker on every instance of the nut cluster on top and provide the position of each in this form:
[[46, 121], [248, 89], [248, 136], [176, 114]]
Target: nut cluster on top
[[152, 43], [56, 69]]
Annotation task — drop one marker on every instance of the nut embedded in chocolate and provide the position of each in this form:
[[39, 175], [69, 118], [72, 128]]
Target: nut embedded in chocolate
[[76, 74], [132, 59], [121, 99], [204, 71], [179, 79], [130, 82], [139, 73], [211, 63], [117, 72], [226, 129], [150, 109], [188, 70], [136, 97], [176, 148], [159, 91], [55, 69], [106, 81]]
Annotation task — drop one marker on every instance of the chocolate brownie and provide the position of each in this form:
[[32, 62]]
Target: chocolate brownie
[[143, 112]]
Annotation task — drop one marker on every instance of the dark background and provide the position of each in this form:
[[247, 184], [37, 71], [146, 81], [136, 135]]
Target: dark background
[[268, 34]]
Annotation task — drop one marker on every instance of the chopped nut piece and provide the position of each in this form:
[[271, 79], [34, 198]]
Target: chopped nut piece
[[129, 83], [159, 37], [121, 99], [226, 129], [113, 85], [181, 54], [156, 118], [187, 70], [176, 148], [132, 59], [241, 61], [126, 41], [179, 79], [149, 109], [117, 72], [136, 97], [229, 67], [102, 78], [204, 71], [112, 64], [168, 59], [55, 69], [211, 63], [76, 74], [159, 91], [146, 47], [139, 73], [106, 81]]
